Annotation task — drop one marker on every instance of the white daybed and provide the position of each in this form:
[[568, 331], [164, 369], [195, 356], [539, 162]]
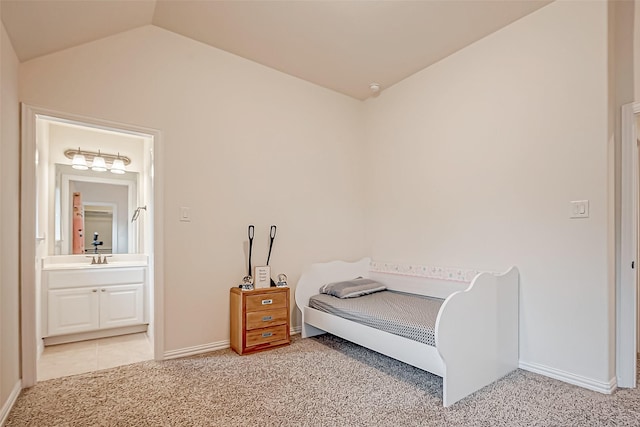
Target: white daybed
[[476, 330]]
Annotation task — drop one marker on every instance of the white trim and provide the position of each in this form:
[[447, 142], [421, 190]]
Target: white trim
[[196, 349], [40, 349], [626, 285], [567, 377], [92, 335], [11, 400], [207, 348], [157, 261], [28, 329], [27, 233]]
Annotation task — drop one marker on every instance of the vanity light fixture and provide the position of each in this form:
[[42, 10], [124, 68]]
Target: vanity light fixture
[[98, 164], [78, 162], [99, 161]]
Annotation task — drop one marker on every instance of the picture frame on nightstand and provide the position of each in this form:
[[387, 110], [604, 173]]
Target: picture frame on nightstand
[[262, 277]]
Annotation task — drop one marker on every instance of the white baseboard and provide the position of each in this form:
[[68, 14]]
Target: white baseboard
[[92, 335], [567, 377], [206, 348], [196, 349], [11, 400]]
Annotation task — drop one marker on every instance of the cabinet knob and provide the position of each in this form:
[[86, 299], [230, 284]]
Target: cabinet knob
[[94, 290], [103, 290]]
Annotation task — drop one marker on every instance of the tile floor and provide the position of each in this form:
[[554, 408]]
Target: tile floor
[[85, 356]]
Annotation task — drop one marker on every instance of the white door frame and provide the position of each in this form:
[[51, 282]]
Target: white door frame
[[626, 285], [28, 231]]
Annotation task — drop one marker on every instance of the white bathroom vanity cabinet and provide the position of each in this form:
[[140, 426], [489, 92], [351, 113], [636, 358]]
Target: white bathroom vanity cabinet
[[93, 301]]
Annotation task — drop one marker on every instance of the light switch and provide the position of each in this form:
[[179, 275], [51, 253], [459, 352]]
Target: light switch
[[579, 209], [185, 214]]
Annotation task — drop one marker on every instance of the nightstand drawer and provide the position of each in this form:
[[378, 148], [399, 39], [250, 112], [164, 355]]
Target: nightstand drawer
[[266, 301], [267, 335], [266, 318]]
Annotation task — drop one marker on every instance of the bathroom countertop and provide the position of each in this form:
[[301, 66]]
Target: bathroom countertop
[[77, 262], [88, 265]]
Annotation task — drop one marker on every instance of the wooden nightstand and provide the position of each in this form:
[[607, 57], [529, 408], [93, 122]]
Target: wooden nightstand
[[259, 319]]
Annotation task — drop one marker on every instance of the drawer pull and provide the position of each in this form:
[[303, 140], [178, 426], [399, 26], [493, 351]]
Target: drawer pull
[[266, 334], [267, 318], [267, 301]]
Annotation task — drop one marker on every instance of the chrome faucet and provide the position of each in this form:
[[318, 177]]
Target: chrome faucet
[[99, 260]]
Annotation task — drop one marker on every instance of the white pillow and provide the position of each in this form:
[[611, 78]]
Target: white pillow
[[352, 288]]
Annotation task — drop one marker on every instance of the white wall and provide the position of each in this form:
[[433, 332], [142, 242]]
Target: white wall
[[9, 224], [476, 159], [243, 144]]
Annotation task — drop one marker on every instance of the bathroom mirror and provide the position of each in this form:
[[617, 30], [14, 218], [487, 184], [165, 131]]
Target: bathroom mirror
[[108, 202]]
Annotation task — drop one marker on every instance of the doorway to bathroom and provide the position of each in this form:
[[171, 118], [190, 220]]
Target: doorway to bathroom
[[93, 297]]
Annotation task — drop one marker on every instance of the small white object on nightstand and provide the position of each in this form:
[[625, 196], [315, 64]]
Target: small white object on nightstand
[[262, 277]]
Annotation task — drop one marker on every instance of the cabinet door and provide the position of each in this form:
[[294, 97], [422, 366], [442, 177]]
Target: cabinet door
[[72, 310], [121, 305]]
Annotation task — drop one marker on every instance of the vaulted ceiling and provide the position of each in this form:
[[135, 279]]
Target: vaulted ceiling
[[341, 45]]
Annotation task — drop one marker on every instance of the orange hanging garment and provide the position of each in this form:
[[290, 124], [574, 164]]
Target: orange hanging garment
[[78, 224]]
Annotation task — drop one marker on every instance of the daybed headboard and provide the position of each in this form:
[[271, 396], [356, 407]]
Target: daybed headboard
[[319, 274]]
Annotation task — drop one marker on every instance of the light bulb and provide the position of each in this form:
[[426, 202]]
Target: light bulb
[[117, 166], [98, 164]]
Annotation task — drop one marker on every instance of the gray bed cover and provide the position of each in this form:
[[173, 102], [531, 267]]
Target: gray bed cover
[[407, 315]]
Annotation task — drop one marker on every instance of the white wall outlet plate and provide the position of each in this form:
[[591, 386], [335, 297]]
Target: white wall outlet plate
[[579, 209], [262, 277]]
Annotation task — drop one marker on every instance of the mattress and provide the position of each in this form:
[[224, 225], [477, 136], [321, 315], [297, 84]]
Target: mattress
[[407, 315]]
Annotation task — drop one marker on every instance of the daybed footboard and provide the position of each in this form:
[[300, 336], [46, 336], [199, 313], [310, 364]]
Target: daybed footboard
[[477, 334]]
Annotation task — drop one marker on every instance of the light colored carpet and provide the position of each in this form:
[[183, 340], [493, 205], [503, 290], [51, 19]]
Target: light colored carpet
[[322, 381]]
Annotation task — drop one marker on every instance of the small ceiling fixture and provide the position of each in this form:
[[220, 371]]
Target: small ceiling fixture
[[79, 159]]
